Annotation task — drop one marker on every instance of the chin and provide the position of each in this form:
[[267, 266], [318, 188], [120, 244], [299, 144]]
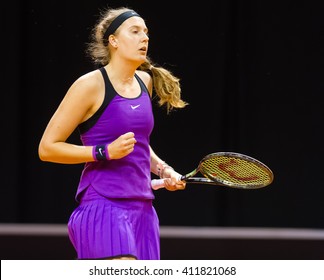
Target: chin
[[142, 59]]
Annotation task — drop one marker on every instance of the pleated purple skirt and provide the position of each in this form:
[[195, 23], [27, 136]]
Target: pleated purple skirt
[[102, 228]]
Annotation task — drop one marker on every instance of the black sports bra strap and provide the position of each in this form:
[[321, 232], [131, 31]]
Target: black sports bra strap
[[109, 95], [104, 74], [142, 85]]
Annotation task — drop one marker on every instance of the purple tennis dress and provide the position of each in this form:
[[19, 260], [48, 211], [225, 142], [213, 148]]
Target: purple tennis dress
[[115, 216]]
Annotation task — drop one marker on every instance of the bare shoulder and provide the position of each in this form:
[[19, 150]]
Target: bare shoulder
[[87, 86], [146, 78], [89, 81], [85, 95]]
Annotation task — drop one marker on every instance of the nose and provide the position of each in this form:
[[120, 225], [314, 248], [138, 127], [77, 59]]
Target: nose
[[145, 37]]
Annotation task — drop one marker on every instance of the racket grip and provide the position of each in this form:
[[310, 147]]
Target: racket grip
[[157, 184]]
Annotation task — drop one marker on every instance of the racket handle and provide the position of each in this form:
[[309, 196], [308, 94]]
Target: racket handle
[[157, 184]]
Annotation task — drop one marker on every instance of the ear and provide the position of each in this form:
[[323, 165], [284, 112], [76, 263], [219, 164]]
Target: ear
[[113, 41]]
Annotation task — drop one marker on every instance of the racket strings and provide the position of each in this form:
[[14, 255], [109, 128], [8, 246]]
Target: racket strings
[[235, 171]]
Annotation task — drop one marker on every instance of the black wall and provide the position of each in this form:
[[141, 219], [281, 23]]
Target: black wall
[[252, 72]]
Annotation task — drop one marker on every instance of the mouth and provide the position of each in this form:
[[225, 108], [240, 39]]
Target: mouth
[[143, 49]]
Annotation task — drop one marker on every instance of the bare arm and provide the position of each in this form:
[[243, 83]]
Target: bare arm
[[81, 101], [163, 170]]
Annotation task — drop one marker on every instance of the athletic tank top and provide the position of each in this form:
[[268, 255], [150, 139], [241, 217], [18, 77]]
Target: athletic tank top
[[130, 176]]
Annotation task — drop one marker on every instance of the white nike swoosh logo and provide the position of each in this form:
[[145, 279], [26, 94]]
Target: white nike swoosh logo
[[136, 106], [100, 151]]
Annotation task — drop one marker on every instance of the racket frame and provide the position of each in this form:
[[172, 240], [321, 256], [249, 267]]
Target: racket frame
[[211, 179]]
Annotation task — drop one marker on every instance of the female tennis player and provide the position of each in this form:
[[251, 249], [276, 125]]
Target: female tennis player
[[111, 107]]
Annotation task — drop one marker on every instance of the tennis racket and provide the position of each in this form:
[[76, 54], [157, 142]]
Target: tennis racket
[[228, 169]]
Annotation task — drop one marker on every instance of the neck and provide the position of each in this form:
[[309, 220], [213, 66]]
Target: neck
[[123, 75]]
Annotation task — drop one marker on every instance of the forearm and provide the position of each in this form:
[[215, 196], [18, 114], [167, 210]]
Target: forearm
[[65, 153], [155, 160], [158, 166], [165, 171]]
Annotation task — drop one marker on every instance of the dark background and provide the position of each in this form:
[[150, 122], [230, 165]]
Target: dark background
[[252, 72]]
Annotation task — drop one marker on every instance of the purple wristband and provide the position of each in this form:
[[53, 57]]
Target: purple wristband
[[107, 154], [94, 153], [100, 152]]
